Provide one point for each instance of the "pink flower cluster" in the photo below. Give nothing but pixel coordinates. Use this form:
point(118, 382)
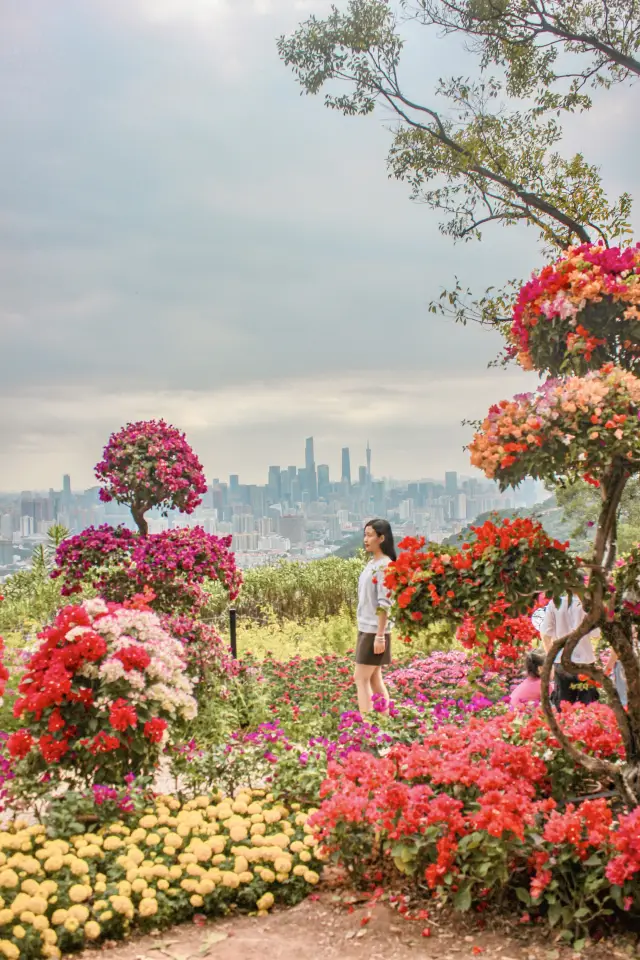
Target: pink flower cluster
point(583, 275)
point(150, 464)
point(120, 564)
point(577, 425)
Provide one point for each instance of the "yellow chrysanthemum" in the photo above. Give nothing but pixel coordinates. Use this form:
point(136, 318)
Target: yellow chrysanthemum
point(71, 924)
point(148, 907)
point(9, 878)
point(19, 932)
point(79, 892)
point(265, 902)
point(9, 950)
point(59, 917)
point(80, 912)
point(92, 930)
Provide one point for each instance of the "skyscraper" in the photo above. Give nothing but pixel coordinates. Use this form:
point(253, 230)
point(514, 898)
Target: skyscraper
point(66, 488)
point(362, 476)
point(311, 480)
point(368, 463)
point(346, 466)
point(451, 483)
point(274, 489)
point(324, 484)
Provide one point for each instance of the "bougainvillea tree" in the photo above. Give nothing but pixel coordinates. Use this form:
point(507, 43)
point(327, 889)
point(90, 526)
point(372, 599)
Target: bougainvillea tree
point(577, 320)
point(150, 464)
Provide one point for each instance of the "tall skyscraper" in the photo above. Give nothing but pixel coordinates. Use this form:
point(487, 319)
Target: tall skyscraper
point(451, 483)
point(362, 476)
point(324, 484)
point(368, 463)
point(273, 486)
point(66, 488)
point(311, 479)
point(346, 466)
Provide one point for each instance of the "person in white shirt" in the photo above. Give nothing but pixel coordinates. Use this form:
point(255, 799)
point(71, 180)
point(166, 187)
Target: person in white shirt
point(373, 649)
point(559, 622)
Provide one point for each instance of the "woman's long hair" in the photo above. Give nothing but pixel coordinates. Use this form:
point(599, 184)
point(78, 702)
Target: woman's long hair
point(383, 529)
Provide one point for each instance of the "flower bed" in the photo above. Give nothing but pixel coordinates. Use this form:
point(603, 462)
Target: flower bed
point(475, 812)
point(201, 857)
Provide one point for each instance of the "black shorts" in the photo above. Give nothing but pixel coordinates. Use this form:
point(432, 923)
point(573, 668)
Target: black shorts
point(365, 654)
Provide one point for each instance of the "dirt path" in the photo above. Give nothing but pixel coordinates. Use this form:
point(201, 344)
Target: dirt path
point(320, 930)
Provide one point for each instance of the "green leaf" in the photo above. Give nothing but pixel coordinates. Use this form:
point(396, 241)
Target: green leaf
point(462, 899)
point(524, 896)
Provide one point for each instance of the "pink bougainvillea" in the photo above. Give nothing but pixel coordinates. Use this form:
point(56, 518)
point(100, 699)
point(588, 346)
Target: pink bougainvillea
point(150, 464)
point(175, 564)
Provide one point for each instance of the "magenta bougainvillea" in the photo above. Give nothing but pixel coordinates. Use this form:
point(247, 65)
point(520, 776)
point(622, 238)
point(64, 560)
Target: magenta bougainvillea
point(174, 564)
point(580, 312)
point(150, 464)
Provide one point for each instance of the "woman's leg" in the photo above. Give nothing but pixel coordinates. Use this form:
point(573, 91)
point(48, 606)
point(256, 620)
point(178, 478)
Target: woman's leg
point(362, 676)
point(378, 686)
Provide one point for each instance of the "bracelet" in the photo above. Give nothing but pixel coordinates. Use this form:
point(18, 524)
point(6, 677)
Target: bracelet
point(380, 636)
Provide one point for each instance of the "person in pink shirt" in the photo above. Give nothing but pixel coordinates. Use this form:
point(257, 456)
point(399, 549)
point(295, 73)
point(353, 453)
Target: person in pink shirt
point(528, 691)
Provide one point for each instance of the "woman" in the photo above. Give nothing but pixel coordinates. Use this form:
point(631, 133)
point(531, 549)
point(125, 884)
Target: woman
point(373, 649)
point(559, 622)
point(528, 691)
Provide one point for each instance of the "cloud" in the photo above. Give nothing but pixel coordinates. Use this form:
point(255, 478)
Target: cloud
point(413, 422)
point(183, 235)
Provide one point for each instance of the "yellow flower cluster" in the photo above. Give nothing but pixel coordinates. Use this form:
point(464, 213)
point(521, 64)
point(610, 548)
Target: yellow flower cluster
point(204, 855)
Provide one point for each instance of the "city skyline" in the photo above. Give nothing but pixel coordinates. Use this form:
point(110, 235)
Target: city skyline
point(348, 455)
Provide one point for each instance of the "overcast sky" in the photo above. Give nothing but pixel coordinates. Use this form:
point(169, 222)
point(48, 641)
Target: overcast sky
point(183, 236)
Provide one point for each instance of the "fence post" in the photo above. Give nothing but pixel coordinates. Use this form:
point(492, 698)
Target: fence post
point(233, 633)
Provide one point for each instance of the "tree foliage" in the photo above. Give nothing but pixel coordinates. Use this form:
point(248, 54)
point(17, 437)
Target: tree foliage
point(553, 50)
point(466, 151)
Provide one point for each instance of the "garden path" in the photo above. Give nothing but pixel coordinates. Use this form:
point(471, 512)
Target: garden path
point(318, 929)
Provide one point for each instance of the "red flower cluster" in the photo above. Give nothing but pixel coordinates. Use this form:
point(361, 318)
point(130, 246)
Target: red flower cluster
point(488, 587)
point(478, 794)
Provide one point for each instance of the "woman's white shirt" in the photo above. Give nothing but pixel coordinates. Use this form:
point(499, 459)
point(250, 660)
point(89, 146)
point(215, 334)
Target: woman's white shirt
point(372, 595)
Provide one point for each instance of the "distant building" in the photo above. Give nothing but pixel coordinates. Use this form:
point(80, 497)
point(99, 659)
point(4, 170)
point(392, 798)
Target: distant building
point(273, 486)
point(324, 484)
point(362, 476)
point(346, 466)
point(451, 483)
point(311, 480)
point(292, 527)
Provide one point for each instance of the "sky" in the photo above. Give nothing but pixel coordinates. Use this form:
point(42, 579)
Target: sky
point(182, 235)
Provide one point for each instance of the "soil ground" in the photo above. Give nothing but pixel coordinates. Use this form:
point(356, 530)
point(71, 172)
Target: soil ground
point(322, 929)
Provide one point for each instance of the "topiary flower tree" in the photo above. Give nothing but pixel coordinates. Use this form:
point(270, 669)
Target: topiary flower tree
point(146, 465)
point(579, 317)
point(150, 464)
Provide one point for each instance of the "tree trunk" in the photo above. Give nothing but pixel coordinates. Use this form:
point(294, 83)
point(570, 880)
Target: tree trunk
point(137, 513)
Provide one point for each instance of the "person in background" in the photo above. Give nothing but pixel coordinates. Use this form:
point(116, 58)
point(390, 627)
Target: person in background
point(614, 667)
point(373, 649)
point(559, 622)
point(528, 691)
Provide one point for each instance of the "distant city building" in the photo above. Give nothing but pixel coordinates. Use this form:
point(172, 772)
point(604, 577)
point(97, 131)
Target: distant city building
point(368, 463)
point(346, 466)
point(451, 483)
point(311, 481)
point(324, 483)
point(292, 527)
point(275, 493)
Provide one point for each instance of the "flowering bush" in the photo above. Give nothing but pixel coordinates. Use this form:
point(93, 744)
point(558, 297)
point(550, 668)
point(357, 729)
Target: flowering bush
point(488, 587)
point(467, 809)
point(204, 652)
point(580, 311)
point(577, 426)
point(100, 693)
point(174, 563)
point(205, 856)
point(150, 464)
